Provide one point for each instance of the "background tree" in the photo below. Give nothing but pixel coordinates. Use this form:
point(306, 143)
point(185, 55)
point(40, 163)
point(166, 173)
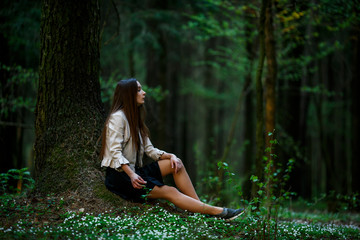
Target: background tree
point(259, 99)
point(270, 82)
point(69, 112)
point(355, 99)
point(200, 51)
point(19, 41)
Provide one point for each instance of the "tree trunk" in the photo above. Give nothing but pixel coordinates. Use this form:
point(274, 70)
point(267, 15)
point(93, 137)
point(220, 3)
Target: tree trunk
point(355, 112)
point(131, 54)
point(10, 148)
point(209, 159)
point(259, 101)
point(69, 112)
point(270, 93)
point(270, 83)
point(156, 75)
point(304, 128)
point(249, 106)
point(292, 109)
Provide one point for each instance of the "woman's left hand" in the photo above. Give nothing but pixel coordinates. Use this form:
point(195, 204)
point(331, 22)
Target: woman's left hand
point(175, 163)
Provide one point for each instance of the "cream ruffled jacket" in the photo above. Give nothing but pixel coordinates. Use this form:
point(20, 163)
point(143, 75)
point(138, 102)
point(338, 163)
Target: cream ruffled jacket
point(119, 147)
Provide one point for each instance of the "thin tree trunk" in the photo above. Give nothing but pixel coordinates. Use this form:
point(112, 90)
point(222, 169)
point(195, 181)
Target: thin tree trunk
point(9, 147)
point(249, 116)
point(326, 141)
point(209, 159)
point(304, 105)
point(270, 92)
point(131, 54)
point(338, 116)
point(270, 83)
point(355, 112)
point(156, 75)
point(259, 101)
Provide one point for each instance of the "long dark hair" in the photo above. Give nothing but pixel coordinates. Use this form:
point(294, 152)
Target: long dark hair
point(125, 100)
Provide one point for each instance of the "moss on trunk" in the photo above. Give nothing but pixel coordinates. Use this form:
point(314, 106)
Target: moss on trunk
point(69, 111)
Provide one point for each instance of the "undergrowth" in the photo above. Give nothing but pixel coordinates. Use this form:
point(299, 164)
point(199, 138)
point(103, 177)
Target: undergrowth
point(152, 221)
point(24, 215)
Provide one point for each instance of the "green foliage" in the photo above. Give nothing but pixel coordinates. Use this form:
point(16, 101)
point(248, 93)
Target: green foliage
point(145, 196)
point(21, 177)
point(157, 93)
point(8, 192)
point(19, 26)
point(320, 90)
point(147, 222)
point(216, 19)
point(207, 93)
point(108, 87)
point(16, 92)
point(154, 222)
point(339, 202)
point(315, 212)
point(349, 202)
point(271, 191)
point(47, 218)
point(211, 25)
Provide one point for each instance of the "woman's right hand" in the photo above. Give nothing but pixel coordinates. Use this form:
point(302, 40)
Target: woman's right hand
point(137, 181)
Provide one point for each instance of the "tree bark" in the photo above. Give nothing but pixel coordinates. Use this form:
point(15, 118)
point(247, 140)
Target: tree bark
point(209, 159)
point(249, 124)
point(69, 112)
point(270, 83)
point(270, 91)
point(259, 101)
point(355, 112)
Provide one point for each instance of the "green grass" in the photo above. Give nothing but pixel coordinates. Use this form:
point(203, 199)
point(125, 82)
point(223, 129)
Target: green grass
point(157, 222)
point(320, 216)
point(147, 222)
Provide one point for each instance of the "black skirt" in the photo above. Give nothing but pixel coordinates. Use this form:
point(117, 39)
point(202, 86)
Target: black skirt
point(120, 183)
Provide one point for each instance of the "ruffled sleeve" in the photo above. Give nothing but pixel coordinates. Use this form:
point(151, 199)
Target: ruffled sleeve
point(151, 151)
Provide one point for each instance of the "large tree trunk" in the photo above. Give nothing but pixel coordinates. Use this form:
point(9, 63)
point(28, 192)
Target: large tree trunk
point(69, 112)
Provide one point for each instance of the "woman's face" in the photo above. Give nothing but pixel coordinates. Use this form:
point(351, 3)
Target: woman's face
point(140, 97)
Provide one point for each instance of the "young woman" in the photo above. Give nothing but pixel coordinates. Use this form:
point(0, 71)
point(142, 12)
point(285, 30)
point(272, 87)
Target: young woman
point(125, 139)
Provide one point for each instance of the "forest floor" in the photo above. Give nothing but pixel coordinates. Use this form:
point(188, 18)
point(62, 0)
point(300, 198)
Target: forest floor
point(67, 216)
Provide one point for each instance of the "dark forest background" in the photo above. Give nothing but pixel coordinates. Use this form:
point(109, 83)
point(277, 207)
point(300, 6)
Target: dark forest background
point(198, 62)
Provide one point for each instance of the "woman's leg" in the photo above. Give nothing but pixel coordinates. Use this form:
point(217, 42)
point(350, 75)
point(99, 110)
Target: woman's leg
point(183, 201)
point(181, 178)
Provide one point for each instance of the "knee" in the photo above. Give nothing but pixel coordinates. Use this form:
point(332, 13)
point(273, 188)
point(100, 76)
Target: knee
point(169, 192)
point(166, 168)
point(181, 170)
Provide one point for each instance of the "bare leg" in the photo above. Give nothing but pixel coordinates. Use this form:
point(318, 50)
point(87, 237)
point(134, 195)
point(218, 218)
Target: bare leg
point(183, 201)
point(181, 178)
